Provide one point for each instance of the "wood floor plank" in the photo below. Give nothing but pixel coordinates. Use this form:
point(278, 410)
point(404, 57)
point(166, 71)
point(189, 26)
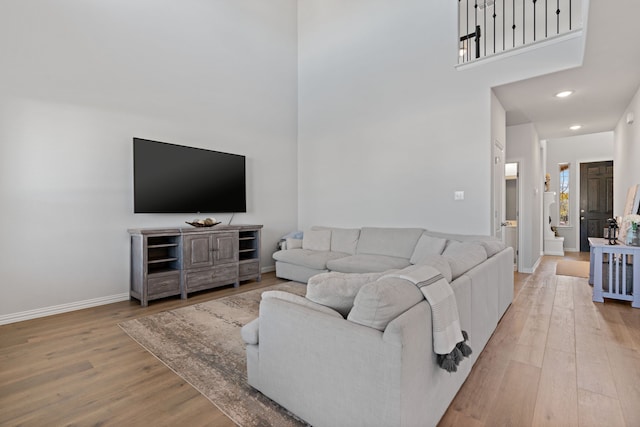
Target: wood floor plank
point(557, 398)
point(515, 402)
point(625, 365)
point(596, 410)
point(562, 330)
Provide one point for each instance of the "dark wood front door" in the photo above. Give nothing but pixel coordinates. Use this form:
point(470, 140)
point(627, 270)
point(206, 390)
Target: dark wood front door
point(596, 200)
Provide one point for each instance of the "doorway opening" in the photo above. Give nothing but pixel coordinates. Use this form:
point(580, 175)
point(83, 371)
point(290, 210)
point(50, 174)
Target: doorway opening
point(512, 203)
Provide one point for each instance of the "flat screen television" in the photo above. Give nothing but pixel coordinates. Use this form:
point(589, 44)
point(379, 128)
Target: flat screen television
point(170, 178)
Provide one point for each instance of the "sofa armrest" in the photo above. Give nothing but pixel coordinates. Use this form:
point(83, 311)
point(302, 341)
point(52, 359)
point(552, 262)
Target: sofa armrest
point(249, 332)
point(427, 389)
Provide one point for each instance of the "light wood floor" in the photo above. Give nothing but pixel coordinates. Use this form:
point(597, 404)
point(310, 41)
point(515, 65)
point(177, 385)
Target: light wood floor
point(555, 359)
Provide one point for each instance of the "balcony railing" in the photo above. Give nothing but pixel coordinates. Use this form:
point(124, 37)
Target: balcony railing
point(488, 27)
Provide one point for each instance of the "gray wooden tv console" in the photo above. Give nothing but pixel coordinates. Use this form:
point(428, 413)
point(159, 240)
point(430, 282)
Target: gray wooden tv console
point(177, 261)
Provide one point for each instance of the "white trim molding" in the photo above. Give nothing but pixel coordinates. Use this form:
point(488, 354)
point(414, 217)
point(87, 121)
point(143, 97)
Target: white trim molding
point(62, 308)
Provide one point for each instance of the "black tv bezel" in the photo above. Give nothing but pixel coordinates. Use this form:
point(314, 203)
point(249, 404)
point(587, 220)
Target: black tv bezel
point(220, 208)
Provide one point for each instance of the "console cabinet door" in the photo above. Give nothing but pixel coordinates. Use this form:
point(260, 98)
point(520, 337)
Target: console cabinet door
point(225, 248)
point(198, 251)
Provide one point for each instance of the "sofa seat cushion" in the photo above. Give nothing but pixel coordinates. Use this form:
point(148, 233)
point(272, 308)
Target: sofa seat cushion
point(463, 256)
point(338, 290)
point(394, 242)
point(308, 258)
point(366, 263)
point(378, 303)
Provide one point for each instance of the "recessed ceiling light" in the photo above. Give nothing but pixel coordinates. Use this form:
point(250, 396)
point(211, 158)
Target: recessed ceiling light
point(564, 93)
point(575, 127)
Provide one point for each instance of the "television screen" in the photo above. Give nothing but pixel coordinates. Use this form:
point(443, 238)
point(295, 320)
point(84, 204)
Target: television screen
point(169, 178)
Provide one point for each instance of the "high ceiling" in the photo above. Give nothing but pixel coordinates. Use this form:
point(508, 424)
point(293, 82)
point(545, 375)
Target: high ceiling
point(603, 86)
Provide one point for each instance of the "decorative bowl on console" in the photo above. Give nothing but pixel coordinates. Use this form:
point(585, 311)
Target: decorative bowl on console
point(208, 222)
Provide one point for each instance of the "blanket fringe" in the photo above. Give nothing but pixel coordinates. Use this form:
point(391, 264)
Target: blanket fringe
point(446, 362)
point(463, 346)
point(449, 362)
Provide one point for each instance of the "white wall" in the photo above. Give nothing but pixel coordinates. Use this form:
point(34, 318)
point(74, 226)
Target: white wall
point(389, 129)
point(79, 79)
point(523, 146)
point(626, 155)
point(574, 150)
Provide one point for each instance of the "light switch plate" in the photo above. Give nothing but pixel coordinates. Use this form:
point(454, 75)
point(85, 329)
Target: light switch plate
point(458, 195)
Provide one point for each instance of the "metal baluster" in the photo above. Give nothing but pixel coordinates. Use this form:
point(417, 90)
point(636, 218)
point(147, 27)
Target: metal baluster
point(558, 17)
point(534, 20)
point(570, 14)
point(545, 18)
point(513, 20)
point(484, 15)
point(503, 26)
point(523, 26)
point(494, 27)
point(475, 7)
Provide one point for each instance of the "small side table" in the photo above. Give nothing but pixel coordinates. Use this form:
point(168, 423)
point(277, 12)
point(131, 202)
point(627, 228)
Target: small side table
point(619, 268)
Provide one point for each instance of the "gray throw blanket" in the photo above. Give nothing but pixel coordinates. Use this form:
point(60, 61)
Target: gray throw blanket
point(449, 340)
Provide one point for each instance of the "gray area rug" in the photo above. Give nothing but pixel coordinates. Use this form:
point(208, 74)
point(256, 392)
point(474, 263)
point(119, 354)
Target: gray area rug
point(202, 344)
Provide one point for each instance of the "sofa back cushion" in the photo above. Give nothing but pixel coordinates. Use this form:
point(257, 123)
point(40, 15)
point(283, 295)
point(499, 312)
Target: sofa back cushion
point(394, 242)
point(463, 256)
point(317, 240)
point(378, 303)
point(427, 246)
point(343, 240)
point(366, 263)
point(491, 244)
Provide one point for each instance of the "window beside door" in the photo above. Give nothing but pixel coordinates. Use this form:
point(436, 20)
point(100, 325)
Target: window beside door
point(563, 197)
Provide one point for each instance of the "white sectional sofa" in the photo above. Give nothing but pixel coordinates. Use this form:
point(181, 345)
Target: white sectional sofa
point(358, 349)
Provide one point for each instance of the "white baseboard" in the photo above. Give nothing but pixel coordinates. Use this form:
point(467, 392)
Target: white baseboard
point(78, 305)
point(62, 308)
point(532, 269)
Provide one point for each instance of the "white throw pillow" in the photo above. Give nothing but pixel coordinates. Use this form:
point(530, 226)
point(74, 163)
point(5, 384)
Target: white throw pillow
point(294, 243)
point(317, 240)
point(427, 245)
point(338, 290)
point(378, 303)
